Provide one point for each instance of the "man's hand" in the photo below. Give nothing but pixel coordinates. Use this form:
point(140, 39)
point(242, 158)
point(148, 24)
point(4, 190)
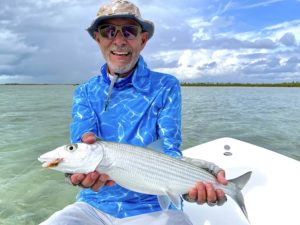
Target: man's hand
point(94, 179)
point(206, 193)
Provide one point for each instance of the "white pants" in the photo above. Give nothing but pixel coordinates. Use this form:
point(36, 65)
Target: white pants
point(81, 213)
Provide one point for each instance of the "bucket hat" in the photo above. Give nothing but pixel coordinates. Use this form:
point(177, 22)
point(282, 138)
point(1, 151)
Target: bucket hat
point(121, 9)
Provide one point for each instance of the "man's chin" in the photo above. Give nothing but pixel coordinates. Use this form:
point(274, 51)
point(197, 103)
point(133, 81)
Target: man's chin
point(121, 69)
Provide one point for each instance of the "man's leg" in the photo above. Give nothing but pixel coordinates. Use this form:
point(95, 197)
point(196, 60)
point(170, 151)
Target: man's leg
point(170, 217)
point(79, 213)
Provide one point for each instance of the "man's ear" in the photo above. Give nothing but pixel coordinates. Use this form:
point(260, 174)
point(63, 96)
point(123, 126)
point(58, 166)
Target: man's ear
point(144, 38)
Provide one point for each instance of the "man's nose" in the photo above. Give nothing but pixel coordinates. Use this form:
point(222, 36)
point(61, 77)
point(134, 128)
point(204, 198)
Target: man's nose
point(119, 38)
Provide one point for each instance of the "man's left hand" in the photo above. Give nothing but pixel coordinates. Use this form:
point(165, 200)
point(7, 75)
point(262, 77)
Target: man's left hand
point(206, 193)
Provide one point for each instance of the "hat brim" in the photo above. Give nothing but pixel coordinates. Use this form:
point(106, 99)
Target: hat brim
point(147, 26)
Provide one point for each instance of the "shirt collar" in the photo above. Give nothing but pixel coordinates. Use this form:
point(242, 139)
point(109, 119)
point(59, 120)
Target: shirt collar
point(139, 78)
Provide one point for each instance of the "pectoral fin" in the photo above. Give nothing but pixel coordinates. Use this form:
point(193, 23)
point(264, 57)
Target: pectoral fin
point(175, 199)
point(164, 202)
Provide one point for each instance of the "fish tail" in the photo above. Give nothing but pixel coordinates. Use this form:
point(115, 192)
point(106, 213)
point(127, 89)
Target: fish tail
point(240, 182)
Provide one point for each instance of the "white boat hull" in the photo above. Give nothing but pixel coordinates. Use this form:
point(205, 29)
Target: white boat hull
point(271, 195)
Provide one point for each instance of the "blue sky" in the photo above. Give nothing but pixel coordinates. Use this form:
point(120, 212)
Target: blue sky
point(196, 40)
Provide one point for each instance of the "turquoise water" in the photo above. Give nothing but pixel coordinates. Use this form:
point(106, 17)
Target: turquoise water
point(267, 117)
point(35, 119)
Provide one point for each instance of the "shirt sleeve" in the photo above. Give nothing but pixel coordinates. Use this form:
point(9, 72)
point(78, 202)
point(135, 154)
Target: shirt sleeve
point(84, 118)
point(169, 120)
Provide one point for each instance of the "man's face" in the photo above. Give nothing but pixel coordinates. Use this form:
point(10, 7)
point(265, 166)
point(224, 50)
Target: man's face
point(120, 53)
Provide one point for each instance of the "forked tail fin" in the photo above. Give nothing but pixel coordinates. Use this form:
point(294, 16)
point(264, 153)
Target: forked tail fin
point(240, 182)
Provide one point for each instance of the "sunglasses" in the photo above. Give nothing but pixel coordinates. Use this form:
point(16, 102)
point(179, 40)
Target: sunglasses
point(110, 31)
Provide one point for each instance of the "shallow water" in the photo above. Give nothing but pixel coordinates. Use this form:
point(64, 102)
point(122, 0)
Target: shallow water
point(267, 117)
point(35, 119)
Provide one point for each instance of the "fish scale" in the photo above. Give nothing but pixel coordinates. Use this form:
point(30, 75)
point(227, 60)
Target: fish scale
point(141, 170)
point(155, 168)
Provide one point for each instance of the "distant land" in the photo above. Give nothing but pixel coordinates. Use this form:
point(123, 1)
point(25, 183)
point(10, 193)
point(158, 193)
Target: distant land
point(185, 84)
point(290, 84)
point(36, 84)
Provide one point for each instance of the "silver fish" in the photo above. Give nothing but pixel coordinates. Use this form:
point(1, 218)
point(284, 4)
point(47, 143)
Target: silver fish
point(141, 170)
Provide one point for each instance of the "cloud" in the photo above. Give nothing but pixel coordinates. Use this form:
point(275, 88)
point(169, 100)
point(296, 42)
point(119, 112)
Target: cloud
point(16, 79)
point(288, 39)
point(13, 50)
point(279, 30)
point(14, 43)
point(238, 5)
point(234, 60)
point(224, 42)
point(45, 41)
point(222, 54)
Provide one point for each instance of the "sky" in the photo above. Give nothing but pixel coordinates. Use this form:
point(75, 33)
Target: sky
point(244, 41)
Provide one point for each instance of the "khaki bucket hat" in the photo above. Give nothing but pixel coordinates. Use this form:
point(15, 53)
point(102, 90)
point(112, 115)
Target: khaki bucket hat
point(121, 9)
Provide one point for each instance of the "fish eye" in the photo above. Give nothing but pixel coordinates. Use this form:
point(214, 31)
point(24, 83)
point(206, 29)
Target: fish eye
point(71, 147)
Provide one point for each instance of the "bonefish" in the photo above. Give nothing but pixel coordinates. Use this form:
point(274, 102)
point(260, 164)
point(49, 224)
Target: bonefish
point(141, 170)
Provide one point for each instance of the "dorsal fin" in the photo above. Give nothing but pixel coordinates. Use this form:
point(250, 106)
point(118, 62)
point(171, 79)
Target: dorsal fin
point(208, 166)
point(195, 162)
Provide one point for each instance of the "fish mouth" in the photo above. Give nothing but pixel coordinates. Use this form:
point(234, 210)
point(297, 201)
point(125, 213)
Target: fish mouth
point(52, 163)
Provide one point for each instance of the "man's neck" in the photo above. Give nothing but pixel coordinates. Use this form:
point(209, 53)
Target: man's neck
point(121, 75)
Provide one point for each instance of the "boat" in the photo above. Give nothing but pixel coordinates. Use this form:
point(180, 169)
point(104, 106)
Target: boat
point(272, 195)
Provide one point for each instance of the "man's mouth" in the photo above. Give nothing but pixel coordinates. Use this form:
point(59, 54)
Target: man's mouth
point(120, 53)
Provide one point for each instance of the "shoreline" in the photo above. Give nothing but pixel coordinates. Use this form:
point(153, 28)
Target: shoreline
point(291, 84)
point(288, 84)
point(19, 84)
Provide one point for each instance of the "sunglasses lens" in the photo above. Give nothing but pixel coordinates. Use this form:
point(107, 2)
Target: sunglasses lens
point(107, 31)
point(110, 31)
point(130, 32)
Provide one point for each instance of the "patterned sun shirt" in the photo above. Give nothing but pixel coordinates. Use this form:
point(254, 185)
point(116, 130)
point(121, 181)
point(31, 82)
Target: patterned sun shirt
point(143, 107)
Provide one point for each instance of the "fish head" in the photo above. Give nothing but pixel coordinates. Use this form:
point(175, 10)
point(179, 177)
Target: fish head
point(73, 158)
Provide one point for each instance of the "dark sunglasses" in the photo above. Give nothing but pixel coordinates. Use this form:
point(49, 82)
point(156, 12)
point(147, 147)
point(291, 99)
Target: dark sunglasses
point(110, 31)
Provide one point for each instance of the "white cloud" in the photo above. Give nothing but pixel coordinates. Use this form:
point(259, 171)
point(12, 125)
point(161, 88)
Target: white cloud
point(288, 39)
point(194, 40)
point(261, 4)
point(267, 52)
point(237, 5)
point(13, 50)
point(251, 54)
point(11, 42)
point(277, 31)
point(193, 64)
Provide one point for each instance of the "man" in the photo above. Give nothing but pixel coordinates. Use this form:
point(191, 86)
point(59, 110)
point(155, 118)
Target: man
point(131, 104)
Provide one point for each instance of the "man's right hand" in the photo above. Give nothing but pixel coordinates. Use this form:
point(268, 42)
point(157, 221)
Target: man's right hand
point(93, 180)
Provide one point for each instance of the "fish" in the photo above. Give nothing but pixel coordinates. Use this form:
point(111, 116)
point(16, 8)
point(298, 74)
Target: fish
point(141, 169)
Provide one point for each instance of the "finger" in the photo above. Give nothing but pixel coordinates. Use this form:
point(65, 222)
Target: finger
point(221, 197)
point(89, 180)
point(110, 183)
point(77, 178)
point(221, 177)
point(201, 193)
point(102, 179)
point(191, 196)
point(211, 193)
point(89, 138)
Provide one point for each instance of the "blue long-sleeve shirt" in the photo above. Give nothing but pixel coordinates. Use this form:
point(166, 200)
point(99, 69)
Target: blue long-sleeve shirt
point(143, 107)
